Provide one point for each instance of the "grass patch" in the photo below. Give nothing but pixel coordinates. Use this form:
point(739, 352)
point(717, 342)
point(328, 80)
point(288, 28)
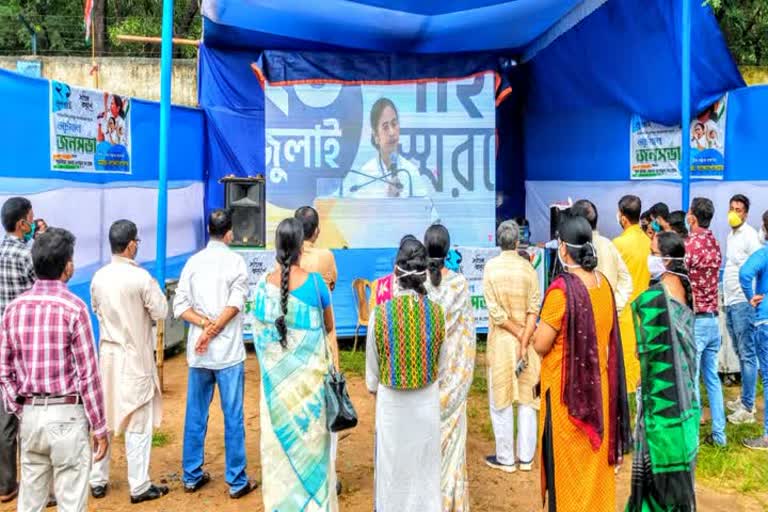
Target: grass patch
point(160, 439)
point(352, 363)
point(734, 466)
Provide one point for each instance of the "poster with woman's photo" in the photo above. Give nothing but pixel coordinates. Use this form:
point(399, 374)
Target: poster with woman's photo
point(381, 160)
point(655, 149)
point(90, 130)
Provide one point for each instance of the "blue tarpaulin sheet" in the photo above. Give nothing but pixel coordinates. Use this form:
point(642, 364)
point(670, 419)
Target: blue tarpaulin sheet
point(583, 68)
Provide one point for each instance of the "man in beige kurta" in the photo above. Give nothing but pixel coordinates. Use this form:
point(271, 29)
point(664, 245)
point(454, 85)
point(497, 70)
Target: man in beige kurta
point(126, 300)
point(513, 298)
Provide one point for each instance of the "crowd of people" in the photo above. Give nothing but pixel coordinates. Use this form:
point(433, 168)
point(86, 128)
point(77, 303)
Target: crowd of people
point(634, 316)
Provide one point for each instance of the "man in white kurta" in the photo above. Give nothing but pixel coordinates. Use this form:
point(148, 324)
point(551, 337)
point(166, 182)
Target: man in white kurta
point(126, 300)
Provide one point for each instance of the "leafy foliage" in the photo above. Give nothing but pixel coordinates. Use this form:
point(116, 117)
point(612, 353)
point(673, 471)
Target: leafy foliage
point(60, 30)
point(745, 26)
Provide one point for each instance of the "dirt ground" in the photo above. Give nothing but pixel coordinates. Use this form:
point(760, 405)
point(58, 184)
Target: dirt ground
point(489, 490)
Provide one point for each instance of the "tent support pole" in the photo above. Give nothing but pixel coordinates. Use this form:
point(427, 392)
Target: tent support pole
point(166, 57)
point(685, 128)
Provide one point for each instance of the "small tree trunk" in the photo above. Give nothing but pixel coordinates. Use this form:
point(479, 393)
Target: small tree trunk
point(99, 27)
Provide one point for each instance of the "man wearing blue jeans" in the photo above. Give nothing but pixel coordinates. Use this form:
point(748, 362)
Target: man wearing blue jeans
point(210, 296)
point(743, 242)
point(754, 283)
point(703, 259)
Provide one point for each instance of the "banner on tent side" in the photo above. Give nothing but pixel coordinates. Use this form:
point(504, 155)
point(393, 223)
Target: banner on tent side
point(382, 160)
point(89, 131)
point(655, 149)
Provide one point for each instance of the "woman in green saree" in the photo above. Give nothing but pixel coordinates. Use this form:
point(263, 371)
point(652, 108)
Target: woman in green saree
point(667, 430)
point(293, 314)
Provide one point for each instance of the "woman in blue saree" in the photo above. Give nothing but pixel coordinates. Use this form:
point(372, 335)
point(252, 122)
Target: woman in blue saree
point(292, 317)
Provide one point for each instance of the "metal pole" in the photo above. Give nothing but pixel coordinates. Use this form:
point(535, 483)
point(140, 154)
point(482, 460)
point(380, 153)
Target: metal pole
point(685, 164)
point(32, 34)
point(166, 56)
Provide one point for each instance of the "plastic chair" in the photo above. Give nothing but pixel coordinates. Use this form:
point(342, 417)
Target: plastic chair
point(362, 289)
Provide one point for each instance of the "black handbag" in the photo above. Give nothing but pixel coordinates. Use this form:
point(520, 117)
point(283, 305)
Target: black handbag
point(339, 412)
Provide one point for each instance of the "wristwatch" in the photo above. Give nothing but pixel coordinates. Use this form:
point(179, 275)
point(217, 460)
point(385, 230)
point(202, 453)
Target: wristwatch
point(203, 322)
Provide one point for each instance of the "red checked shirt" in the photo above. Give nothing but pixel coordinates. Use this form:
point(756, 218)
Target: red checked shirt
point(46, 347)
point(703, 259)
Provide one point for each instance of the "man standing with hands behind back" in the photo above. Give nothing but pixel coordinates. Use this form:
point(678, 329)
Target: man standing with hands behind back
point(210, 296)
point(753, 278)
point(126, 299)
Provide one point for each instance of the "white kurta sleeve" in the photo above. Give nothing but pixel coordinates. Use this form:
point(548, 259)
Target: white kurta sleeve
point(371, 358)
point(624, 286)
point(154, 299)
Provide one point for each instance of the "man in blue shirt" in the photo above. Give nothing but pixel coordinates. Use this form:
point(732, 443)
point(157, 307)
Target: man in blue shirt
point(753, 278)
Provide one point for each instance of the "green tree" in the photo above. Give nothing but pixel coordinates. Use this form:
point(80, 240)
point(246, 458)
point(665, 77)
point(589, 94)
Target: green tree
point(60, 30)
point(745, 26)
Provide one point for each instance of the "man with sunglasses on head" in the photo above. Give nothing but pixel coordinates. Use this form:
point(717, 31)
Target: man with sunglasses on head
point(126, 300)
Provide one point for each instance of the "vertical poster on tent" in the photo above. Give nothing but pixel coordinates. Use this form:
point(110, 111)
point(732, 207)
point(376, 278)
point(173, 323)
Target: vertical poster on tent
point(381, 160)
point(655, 149)
point(90, 130)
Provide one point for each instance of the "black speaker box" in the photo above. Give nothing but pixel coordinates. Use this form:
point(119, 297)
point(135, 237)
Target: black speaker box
point(246, 199)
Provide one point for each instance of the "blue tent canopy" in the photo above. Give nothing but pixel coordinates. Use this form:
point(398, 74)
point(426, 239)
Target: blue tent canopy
point(398, 26)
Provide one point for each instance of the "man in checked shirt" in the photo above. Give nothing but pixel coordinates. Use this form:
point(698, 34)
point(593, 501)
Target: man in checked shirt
point(17, 275)
point(49, 376)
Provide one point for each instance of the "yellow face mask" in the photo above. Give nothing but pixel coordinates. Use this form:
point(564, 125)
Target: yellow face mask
point(734, 220)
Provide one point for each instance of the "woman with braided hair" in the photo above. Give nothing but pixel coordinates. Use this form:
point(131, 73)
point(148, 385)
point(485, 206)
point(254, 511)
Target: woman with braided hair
point(456, 369)
point(405, 336)
point(293, 316)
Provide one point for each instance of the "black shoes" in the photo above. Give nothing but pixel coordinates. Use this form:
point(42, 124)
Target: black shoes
point(204, 480)
point(154, 492)
point(249, 487)
point(99, 491)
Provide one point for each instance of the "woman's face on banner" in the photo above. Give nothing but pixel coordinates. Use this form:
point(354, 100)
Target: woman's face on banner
point(113, 108)
point(388, 131)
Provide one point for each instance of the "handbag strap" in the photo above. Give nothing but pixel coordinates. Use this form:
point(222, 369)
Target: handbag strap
point(324, 333)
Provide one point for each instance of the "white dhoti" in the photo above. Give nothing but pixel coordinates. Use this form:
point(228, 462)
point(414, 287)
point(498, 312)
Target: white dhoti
point(503, 422)
point(407, 465)
point(138, 446)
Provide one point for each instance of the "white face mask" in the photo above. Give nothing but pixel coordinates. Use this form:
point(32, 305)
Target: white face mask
point(618, 219)
point(565, 265)
point(656, 265)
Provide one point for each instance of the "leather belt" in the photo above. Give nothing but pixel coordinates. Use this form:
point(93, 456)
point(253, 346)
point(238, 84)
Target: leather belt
point(50, 400)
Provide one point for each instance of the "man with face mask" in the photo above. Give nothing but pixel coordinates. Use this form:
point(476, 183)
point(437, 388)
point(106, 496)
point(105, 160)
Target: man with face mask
point(634, 247)
point(126, 299)
point(17, 275)
point(703, 259)
point(49, 376)
point(743, 241)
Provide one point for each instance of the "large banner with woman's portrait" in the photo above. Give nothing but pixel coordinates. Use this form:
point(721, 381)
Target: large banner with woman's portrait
point(382, 160)
point(90, 130)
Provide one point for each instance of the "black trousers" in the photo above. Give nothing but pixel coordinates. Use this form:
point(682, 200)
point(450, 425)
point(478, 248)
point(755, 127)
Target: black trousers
point(9, 428)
